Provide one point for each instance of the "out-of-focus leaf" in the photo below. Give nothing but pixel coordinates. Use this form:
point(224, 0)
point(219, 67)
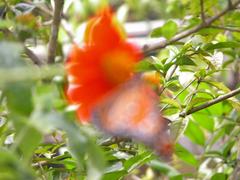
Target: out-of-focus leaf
point(12, 168)
point(10, 54)
point(23, 8)
point(218, 85)
point(220, 45)
point(177, 128)
point(114, 175)
point(204, 119)
point(167, 66)
point(96, 164)
point(229, 127)
point(171, 102)
point(137, 160)
point(216, 136)
point(219, 176)
point(185, 155)
point(209, 32)
point(235, 103)
point(216, 109)
point(19, 98)
point(168, 30)
point(178, 177)
point(198, 100)
point(195, 133)
point(129, 165)
point(29, 73)
point(227, 148)
point(144, 66)
point(164, 168)
point(28, 139)
point(5, 23)
point(184, 60)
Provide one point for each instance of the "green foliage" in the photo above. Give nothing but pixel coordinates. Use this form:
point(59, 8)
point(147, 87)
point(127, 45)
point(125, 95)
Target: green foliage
point(40, 137)
point(168, 30)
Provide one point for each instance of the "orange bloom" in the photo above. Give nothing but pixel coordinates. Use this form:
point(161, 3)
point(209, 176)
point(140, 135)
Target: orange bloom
point(105, 61)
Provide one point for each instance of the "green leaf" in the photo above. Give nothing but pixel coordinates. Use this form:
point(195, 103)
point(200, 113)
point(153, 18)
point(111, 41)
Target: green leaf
point(198, 100)
point(216, 109)
point(177, 128)
point(234, 103)
point(178, 177)
point(28, 139)
point(219, 176)
point(12, 168)
point(227, 148)
point(143, 66)
point(218, 85)
point(168, 30)
point(19, 98)
point(81, 144)
point(185, 155)
point(10, 54)
point(116, 175)
point(185, 60)
point(6, 23)
point(172, 102)
point(220, 45)
point(129, 165)
point(217, 135)
point(195, 133)
point(205, 120)
point(164, 168)
point(137, 160)
point(78, 145)
point(96, 163)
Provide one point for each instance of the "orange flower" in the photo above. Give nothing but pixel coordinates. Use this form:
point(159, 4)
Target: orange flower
point(105, 61)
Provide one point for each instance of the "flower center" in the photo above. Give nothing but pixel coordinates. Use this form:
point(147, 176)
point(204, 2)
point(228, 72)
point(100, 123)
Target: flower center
point(118, 67)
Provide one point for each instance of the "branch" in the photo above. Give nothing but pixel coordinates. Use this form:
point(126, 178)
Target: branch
point(202, 11)
point(54, 30)
point(179, 93)
point(230, 3)
point(208, 22)
point(226, 28)
point(210, 103)
point(27, 51)
point(33, 56)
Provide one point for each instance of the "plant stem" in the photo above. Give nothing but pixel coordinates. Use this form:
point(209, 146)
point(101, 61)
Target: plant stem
point(202, 11)
point(208, 22)
point(54, 30)
point(210, 103)
point(179, 93)
point(226, 28)
point(33, 56)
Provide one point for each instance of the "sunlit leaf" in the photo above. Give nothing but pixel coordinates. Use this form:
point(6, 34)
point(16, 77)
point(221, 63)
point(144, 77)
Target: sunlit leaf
point(195, 133)
point(168, 30)
point(222, 45)
point(185, 155)
point(219, 176)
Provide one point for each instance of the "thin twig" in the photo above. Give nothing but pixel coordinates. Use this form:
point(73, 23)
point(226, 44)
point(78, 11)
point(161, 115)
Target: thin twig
point(230, 4)
point(194, 93)
point(210, 103)
point(63, 23)
point(226, 28)
point(68, 31)
point(208, 22)
point(54, 30)
point(178, 94)
point(202, 11)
